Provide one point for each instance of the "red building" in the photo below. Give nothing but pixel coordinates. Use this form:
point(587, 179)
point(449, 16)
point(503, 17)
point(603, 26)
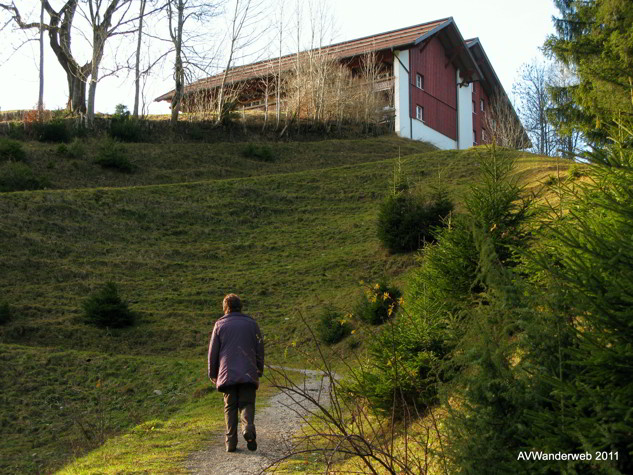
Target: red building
point(440, 85)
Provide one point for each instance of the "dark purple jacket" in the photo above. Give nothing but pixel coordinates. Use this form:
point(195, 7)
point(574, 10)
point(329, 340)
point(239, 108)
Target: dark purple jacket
point(236, 351)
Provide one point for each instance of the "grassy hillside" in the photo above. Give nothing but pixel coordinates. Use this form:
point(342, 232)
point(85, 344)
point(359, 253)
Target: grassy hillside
point(190, 162)
point(194, 223)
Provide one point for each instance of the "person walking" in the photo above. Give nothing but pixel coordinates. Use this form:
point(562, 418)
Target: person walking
point(236, 362)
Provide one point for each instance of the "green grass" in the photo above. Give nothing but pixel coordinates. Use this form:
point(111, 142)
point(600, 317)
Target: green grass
point(191, 162)
point(195, 222)
point(60, 403)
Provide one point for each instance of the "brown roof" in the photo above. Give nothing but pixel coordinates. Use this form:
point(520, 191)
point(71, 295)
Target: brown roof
point(390, 39)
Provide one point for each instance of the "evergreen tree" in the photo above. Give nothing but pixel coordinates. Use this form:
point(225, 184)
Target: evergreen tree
point(594, 38)
point(590, 263)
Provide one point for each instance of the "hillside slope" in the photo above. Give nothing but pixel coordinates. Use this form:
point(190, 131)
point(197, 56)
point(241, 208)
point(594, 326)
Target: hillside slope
point(291, 239)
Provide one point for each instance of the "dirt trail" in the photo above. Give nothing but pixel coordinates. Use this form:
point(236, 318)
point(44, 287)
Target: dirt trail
point(275, 423)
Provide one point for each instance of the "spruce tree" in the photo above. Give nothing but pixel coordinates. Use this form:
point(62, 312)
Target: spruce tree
point(595, 39)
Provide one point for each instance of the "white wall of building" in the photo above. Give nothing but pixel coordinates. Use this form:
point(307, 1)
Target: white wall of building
point(423, 132)
point(401, 93)
point(464, 115)
point(416, 129)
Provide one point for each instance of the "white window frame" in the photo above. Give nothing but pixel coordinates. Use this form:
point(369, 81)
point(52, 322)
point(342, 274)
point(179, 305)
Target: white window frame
point(419, 113)
point(419, 81)
point(474, 137)
point(481, 104)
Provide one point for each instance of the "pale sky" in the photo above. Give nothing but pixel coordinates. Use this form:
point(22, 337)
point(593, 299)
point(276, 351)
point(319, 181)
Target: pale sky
point(511, 32)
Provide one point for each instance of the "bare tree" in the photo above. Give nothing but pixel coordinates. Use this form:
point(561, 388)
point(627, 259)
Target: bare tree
point(188, 22)
point(104, 18)
point(244, 31)
point(280, 27)
point(338, 423)
point(60, 29)
point(40, 98)
point(502, 123)
point(570, 139)
point(104, 25)
point(137, 66)
point(533, 101)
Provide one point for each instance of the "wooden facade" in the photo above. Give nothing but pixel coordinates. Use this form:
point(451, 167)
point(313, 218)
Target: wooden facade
point(429, 95)
point(481, 102)
point(438, 91)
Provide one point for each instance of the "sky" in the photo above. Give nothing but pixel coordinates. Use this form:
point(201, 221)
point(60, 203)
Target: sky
point(511, 32)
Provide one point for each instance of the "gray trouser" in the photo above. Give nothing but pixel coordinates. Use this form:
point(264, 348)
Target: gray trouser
point(239, 397)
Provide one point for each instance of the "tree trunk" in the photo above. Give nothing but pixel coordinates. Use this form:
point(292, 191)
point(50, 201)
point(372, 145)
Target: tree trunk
point(179, 71)
point(76, 94)
point(179, 77)
point(40, 99)
point(137, 75)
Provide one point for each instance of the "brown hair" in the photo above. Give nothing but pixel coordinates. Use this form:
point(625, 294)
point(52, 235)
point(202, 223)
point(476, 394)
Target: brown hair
point(231, 303)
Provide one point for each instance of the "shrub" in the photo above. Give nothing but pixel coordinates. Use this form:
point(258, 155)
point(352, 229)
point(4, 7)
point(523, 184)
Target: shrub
point(574, 172)
point(404, 360)
point(16, 176)
point(121, 112)
point(114, 156)
point(123, 128)
point(53, 131)
point(5, 313)
point(405, 221)
point(262, 153)
point(16, 131)
point(11, 150)
point(332, 326)
point(105, 308)
point(62, 149)
point(126, 130)
point(76, 149)
point(378, 303)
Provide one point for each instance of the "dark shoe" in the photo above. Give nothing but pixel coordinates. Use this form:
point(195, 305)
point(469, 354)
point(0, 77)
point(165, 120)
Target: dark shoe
point(230, 449)
point(251, 444)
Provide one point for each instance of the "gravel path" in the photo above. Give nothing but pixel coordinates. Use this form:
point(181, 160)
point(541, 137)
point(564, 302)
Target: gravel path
point(275, 423)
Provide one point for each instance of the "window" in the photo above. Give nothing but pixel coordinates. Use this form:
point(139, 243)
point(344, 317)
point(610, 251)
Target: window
point(474, 137)
point(419, 81)
point(473, 87)
point(419, 113)
point(483, 135)
point(481, 104)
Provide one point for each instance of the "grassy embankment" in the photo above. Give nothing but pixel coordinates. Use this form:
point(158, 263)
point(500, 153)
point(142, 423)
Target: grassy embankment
point(193, 223)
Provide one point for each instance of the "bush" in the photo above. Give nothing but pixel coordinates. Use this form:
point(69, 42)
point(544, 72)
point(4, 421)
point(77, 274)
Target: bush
point(404, 361)
point(262, 153)
point(332, 326)
point(16, 176)
point(5, 313)
point(62, 149)
point(77, 149)
point(378, 304)
point(122, 128)
point(11, 150)
point(121, 112)
point(126, 130)
point(114, 156)
point(105, 308)
point(16, 131)
point(405, 221)
point(53, 131)
point(574, 172)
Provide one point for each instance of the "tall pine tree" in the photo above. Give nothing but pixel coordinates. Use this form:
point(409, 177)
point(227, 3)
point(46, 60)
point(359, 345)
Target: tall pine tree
point(594, 38)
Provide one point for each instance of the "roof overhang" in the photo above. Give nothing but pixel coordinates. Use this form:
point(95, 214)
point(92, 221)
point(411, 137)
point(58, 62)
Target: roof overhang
point(446, 30)
point(457, 50)
point(491, 83)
